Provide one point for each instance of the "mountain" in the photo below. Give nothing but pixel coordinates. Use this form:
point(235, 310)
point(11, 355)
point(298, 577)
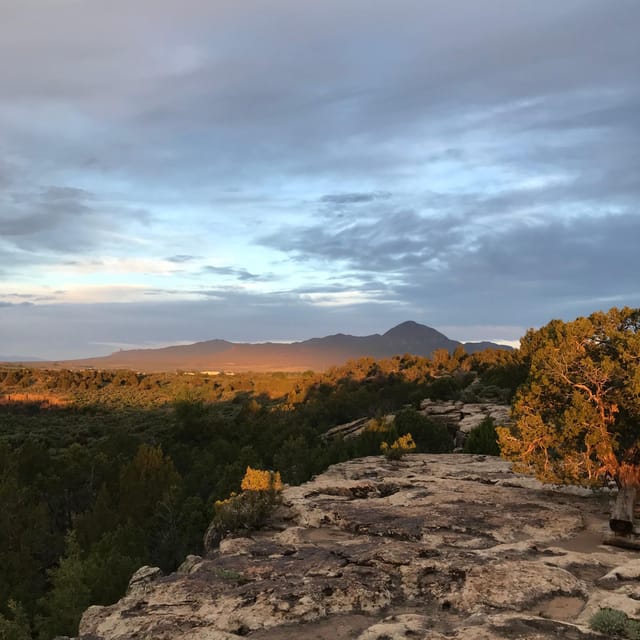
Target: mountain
point(19, 359)
point(316, 354)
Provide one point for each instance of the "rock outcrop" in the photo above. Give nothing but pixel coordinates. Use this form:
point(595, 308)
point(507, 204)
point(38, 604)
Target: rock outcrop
point(355, 427)
point(428, 547)
point(459, 417)
point(464, 417)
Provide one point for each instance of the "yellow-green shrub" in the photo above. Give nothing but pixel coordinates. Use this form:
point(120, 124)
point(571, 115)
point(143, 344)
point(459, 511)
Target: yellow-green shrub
point(404, 444)
point(251, 508)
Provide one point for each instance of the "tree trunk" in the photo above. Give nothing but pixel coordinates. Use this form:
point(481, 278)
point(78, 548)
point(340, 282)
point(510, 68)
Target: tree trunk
point(621, 521)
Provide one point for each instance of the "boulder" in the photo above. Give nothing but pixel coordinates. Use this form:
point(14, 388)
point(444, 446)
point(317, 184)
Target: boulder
point(142, 578)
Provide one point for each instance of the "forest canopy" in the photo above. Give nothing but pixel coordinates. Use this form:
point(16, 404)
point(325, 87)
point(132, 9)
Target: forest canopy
point(102, 471)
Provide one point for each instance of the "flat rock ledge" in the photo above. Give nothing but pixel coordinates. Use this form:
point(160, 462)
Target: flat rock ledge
point(428, 547)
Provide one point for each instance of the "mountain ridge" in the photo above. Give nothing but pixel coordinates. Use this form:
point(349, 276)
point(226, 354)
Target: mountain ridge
point(315, 353)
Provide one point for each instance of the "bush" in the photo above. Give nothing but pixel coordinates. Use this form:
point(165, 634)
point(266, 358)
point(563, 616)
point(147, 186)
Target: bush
point(429, 436)
point(250, 509)
point(402, 445)
point(445, 388)
point(615, 623)
point(258, 480)
point(633, 629)
point(483, 439)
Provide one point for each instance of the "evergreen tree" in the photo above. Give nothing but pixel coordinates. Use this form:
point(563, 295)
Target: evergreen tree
point(578, 413)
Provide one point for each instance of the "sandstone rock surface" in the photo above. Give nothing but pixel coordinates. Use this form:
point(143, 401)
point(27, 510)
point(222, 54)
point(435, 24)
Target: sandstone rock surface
point(460, 417)
point(428, 547)
point(464, 417)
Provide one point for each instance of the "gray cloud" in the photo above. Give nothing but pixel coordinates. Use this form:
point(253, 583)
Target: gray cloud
point(234, 85)
point(60, 219)
point(523, 270)
point(353, 198)
point(181, 258)
point(458, 160)
point(240, 274)
point(25, 303)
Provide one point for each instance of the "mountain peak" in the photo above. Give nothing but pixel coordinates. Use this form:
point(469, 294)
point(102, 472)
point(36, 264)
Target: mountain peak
point(411, 330)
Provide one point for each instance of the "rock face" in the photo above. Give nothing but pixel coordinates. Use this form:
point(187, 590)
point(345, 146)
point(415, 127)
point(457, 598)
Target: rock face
point(460, 417)
point(465, 417)
point(428, 547)
point(355, 427)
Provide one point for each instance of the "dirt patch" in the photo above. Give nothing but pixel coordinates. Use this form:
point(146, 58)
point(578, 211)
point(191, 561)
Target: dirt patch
point(564, 608)
point(589, 539)
point(325, 535)
point(584, 542)
point(344, 627)
point(534, 629)
point(588, 573)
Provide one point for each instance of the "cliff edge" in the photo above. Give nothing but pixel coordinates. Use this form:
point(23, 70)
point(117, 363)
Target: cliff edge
point(428, 547)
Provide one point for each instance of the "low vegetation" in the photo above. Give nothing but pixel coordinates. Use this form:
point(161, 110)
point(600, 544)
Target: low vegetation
point(615, 624)
point(249, 510)
point(396, 450)
point(483, 439)
point(102, 472)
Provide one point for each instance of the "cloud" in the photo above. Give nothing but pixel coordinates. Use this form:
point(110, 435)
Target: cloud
point(181, 258)
point(352, 198)
point(222, 78)
point(458, 163)
point(520, 270)
point(26, 303)
point(238, 273)
point(62, 220)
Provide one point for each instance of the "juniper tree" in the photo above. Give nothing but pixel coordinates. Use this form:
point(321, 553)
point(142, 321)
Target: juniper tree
point(577, 416)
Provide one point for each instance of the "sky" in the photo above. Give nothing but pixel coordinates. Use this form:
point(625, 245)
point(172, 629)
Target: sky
point(174, 171)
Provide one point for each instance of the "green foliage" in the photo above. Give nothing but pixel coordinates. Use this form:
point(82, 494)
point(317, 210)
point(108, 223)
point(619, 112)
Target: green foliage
point(26, 542)
point(615, 623)
point(429, 436)
point(483, 439)
point(444, 388)
point(15, 626)
point(70, 593)
point(632, 629)
point(242, 513)
point(500, 372)
point(230, 575)
point(294, 458)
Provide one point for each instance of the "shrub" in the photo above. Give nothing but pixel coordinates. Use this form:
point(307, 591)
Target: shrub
point(483, 439)
point(615, 623)
point(250, 509)
point(429, 436)
point(632, 629)
point(444, 388)
point(402, 445)
point(258, 480)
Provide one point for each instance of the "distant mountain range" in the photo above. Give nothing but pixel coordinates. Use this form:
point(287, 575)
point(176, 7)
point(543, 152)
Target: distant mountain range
point(316, 354)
